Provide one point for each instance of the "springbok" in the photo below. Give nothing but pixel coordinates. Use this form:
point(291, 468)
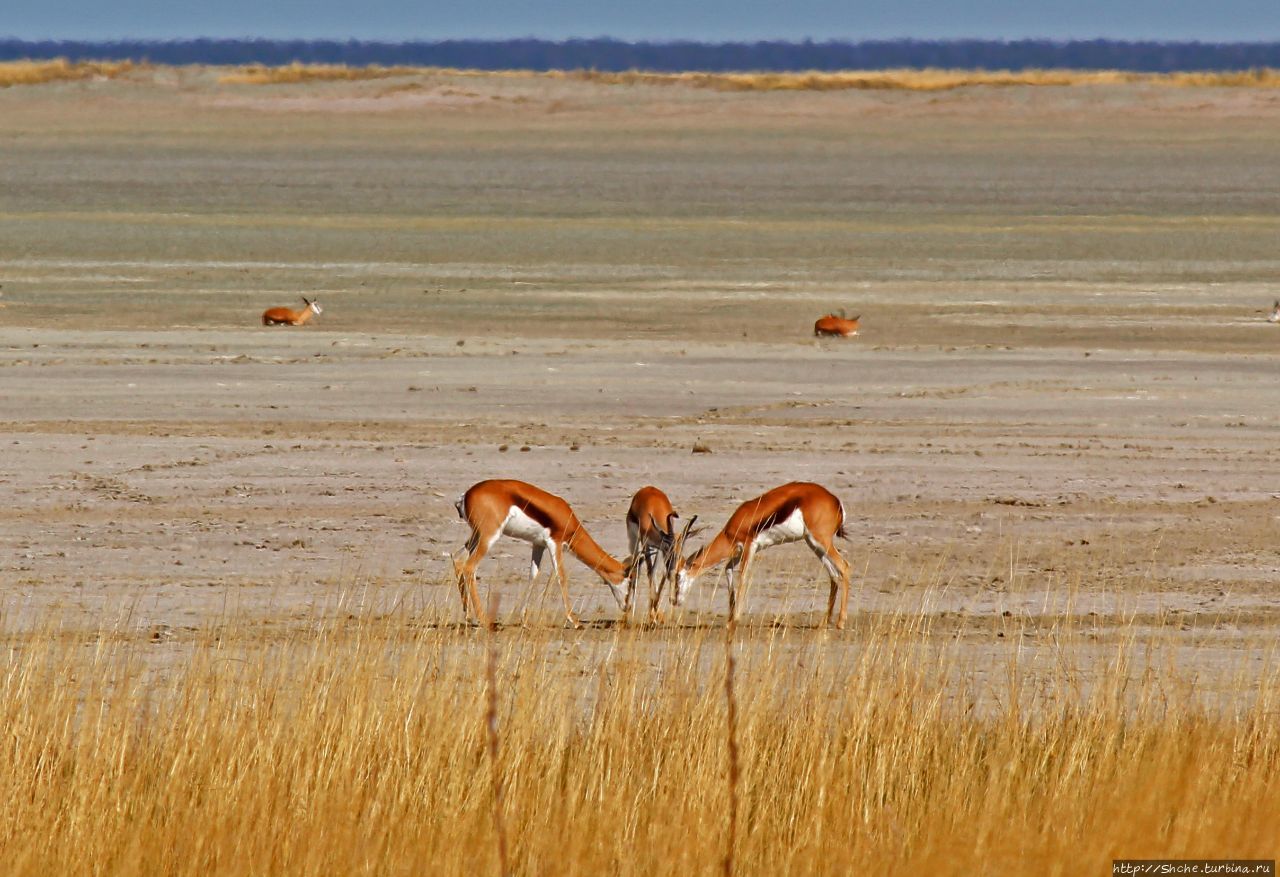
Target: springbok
point(651, 533)
point(514, 508)
point(789, 513)
point(288, 316)
point(836, 327)
point(1275, 312)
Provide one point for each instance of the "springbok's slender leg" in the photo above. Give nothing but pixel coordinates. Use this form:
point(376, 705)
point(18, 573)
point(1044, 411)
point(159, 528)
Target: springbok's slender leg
point(843, 566)
point(837, 570)
point(650, 561)
point(557, 562)
point(655, 595)
point(458, 565)
point(633, 574)
point(466, 571)
point(535, 563)
point(535, 566)
point(735, 572)
point(744, 570)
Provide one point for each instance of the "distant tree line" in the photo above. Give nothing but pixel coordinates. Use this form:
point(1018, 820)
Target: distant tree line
point(616, 55)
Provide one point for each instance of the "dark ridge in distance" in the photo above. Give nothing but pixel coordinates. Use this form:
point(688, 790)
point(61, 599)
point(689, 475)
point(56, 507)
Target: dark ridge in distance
point(607, 54)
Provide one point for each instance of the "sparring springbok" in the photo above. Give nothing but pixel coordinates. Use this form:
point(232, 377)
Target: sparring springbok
point(1275, 313)
point(651, 533)
point(836, 327)
point(288, 316)
point(520, 510)
point(795, 511)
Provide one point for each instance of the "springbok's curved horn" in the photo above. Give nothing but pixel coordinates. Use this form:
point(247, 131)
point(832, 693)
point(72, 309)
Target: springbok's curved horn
point(689, 531)
point(666, 534)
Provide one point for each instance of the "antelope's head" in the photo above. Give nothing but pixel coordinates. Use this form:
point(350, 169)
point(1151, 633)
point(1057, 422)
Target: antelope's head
point(313, 305)
point(685, 578)
point(682, 564)
point(675, 550)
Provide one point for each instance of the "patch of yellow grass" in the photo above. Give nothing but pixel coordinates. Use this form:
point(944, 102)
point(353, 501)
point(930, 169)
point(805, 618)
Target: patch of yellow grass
point(61, 70)
point(929, 79)
point(360, 748)
point(1262, 77)
point(293, 74)
point(296, 73)
point(925, 80)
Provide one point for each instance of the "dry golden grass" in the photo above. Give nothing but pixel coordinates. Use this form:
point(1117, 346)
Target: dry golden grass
point(900, 80)
point(61, 70)
point(293, 74)
point(1263, 77)
point(925, 80)
point(930, 79)
point(360, 747)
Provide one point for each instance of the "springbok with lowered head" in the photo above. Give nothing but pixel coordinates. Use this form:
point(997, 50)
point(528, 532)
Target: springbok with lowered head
point(789, 513)
point(290, 317)
point(651, 534)
point(517, 509)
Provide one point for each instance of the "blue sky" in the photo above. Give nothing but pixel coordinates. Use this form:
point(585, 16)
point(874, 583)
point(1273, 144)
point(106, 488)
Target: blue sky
point(1223, 20)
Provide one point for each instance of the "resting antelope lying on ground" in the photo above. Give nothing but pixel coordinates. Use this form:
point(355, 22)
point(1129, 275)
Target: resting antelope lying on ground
point(522, 511)
point(651, 533)
point(795, 511)
point(288, 316)
point(836, 327)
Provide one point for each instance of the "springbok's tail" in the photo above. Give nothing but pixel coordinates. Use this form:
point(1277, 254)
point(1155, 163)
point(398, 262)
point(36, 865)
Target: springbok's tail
point(840, 531)
point(460, 506)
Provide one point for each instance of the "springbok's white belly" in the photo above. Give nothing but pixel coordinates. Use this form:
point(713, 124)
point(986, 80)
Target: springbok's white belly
point(518, 525)
point(789, 530)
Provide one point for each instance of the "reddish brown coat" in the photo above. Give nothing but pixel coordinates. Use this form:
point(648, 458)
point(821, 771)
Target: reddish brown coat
point(837, 327)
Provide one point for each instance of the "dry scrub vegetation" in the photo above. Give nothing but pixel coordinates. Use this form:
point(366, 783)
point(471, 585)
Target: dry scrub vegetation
point(296, 73)
point(900, 80)
point(293, 74)
point(359, 747)
point(37, 72)
point(62, 70)
point(932, 79)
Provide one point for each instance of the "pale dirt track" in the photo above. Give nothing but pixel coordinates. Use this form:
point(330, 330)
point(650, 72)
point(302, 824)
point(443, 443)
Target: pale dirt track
point(1065, 400)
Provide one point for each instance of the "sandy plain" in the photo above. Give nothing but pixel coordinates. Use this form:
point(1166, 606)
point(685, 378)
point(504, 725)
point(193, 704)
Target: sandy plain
point(1064, 405)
